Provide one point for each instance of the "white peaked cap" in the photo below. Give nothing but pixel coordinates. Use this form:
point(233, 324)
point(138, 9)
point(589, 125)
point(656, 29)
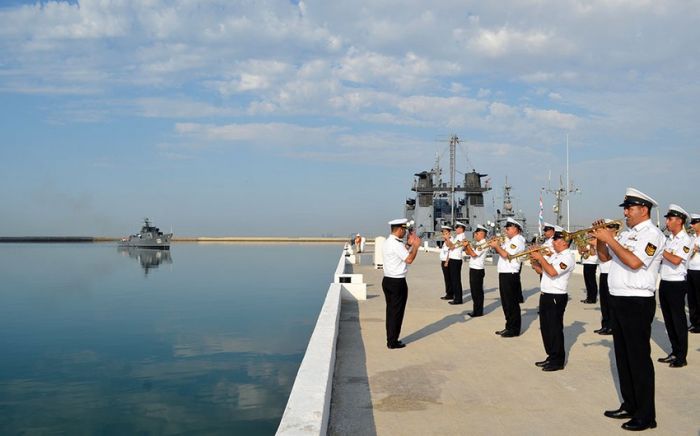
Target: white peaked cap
point(635, 197)
point(512, 221)
point(459, 224)
point(480, 227)
point(398, 222)
point(676, 210)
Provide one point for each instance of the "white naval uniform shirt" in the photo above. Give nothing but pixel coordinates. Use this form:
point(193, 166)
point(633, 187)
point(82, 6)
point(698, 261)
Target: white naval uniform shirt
point(478, 261)
point(591, 260)
point(681, 246)
point(395, 254)
point(563, 264)
point(444, 252)
point(694, 261)
point(646, 241)
point(512, 246)
point(456, 253)
point(605, 267)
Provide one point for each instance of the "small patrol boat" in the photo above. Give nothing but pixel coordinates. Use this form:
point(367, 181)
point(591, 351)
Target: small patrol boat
point(149, 237)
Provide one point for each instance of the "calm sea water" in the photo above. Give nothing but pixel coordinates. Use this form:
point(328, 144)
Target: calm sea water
point(206, 339)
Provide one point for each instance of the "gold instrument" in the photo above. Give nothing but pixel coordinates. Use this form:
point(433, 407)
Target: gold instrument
point(484, 243)
point(580, 237)
point(545, 251)
point(691, 231)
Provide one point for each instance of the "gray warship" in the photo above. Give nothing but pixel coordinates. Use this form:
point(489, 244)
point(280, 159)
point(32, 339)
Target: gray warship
point(149, 237)
point(438, 203)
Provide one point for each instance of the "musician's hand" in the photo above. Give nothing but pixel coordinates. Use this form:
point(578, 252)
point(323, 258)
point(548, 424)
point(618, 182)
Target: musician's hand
point(494, 243)
point(536, 256)
point(604, 234)
point(413, 239)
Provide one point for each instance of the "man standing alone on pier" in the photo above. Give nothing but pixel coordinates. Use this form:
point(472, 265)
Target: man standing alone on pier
point(396, 260)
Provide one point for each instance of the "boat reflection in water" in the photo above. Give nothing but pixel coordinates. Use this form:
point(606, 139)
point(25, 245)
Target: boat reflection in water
point(149, 258)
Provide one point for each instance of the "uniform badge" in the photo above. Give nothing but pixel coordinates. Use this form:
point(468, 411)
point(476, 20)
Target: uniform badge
point(650, 249)
point(686, 250)
point(513, 246)
point(562, 265)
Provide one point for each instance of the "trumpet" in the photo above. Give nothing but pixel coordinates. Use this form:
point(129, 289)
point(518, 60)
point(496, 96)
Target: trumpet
point(484, 243)
point(545, 251)
point(579, 237)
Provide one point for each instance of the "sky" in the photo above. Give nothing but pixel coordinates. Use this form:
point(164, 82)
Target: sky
point(310, 118)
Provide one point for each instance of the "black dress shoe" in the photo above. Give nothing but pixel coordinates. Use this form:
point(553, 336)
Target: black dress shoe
point(668, 359)
point(445, 297)
point(599, 330)
point(542, 363)
point(618, 414)
point(454, 302)
point(500, 332)
point(475, 315)
point(552, 367)
point(635, 424)
point(587, 301)
point(606, 332)
point(694, 329)
point(509, 334)
point(678, 363)
point(394, 345)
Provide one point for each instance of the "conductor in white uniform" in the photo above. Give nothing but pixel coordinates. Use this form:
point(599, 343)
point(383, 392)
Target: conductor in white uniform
point(396, 260)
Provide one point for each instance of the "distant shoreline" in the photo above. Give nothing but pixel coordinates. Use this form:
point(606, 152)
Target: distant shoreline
point(206, 239)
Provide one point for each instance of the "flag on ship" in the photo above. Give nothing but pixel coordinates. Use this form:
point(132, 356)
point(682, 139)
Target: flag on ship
point(540, 220)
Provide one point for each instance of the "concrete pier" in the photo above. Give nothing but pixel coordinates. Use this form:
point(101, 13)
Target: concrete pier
point(457, 377)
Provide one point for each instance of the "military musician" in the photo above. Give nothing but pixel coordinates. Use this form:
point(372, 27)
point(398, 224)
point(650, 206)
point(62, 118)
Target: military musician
point(477, 255)
point(636, 255)
point(509, 285)
point(694, 276)
point(444, 261)
point(672, 288)
point(555, 269)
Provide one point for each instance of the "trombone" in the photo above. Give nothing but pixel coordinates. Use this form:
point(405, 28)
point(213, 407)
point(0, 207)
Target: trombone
point(545, 251)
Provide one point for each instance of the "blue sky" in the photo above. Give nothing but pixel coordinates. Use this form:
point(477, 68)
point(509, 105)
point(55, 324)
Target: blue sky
point(311, 117)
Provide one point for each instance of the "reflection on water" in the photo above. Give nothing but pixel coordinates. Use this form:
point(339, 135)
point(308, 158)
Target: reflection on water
point(149, 258)
point(212, 347)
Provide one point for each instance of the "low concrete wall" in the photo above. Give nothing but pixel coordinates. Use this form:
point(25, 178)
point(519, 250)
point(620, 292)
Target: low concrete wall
point(308, 407)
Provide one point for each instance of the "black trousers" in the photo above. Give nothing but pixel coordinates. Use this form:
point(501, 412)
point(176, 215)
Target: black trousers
point(694, 296)
point(672, 301)
point(631, 323)
point(511, 294)
point(396, 295)
point(552, 308)
point(446, 277)
point(476, 287)
point(589, 279)
point(604, 301)
point(455, 266)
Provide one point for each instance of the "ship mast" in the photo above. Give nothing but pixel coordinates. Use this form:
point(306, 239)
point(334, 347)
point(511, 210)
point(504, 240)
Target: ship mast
point(454, 140)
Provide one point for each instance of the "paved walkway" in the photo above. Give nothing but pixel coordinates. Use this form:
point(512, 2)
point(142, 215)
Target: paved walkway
point(456, 377)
